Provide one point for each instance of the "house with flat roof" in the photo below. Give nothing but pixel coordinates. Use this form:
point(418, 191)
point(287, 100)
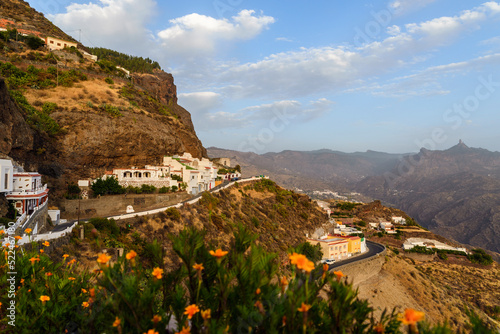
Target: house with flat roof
point(28, 193)
point(332, 247)
point(58, 44)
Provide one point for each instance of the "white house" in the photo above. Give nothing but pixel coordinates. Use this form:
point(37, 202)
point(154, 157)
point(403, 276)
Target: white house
point(58, 44)
point(158, 176)
point(387, 227)
point(6, 174)
point(198, 174)
point(398, 220)
point(28, 192)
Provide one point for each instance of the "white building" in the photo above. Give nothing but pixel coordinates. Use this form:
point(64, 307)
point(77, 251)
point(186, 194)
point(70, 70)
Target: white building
point(398, 220)
point(429, 243)
point(28, 192)
point(387, 227)
point(198, 174)
point(158, 176)
point(6, 174)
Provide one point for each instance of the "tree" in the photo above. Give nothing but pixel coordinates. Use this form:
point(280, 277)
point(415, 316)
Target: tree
point(108, 186)
point(237, 168)
point(34, 42)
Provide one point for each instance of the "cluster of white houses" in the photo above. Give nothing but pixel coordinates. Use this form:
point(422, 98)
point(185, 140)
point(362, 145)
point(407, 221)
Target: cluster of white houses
point(24, 189)
point(198, 175)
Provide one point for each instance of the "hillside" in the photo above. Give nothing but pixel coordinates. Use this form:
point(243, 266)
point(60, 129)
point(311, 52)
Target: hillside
point(71, 118)
point(281, 218)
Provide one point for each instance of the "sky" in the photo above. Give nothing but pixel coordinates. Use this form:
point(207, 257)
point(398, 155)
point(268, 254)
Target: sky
point(267, 76)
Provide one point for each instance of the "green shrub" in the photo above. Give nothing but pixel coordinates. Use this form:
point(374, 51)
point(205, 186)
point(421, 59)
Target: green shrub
point(108, 186)
point(164, 190)
point(480, 256)
point(255, 221)
point(49, 107)
point(173, 214)
point(105, 225)
point(109, 81)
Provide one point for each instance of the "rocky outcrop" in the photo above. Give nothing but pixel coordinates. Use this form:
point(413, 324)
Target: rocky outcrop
point(161, 86)
point(16, 137)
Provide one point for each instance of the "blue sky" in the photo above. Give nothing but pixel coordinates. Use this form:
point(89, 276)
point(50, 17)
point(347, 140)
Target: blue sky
point(264, 76)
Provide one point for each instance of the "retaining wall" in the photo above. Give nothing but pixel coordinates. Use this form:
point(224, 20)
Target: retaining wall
point(362, 270)
point(117, 204)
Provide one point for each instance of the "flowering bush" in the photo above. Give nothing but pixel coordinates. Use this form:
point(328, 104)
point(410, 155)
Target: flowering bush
point(239, 289)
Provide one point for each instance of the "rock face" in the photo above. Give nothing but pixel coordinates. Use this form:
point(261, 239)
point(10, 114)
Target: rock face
point(161, 85)
point(16, 137)
point(92, 142)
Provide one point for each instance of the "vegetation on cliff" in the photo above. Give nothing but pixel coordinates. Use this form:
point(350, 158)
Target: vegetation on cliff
point(109, 58)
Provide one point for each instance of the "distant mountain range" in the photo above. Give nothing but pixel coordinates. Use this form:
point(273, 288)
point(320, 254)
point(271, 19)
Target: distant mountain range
point(454, 193)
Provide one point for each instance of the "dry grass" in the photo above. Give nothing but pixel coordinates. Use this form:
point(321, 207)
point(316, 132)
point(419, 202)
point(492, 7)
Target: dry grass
point(93, 90)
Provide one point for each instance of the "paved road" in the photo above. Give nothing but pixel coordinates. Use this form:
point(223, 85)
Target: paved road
point(62, 227)
point(373, 249)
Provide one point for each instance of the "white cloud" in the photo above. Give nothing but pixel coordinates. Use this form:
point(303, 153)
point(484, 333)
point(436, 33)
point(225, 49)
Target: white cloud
point(311, 70)
point(283, 39)
point(402, 7)
point(114, 24)
point(196, 34)
point(426, 82)
point(200, 102)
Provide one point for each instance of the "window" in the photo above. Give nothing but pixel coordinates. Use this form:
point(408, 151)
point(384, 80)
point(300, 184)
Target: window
point(51, 42)
point(58, 44)
point(6, 184)
point(18, 204)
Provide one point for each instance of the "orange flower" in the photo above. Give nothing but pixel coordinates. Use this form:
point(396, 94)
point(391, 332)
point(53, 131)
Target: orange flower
point(411, 317)
point(131, 255)
point(117, 322)
point(71, 278)
point(260, 307)
point(28, 230)
point(284, 283)
point(33, 259)
point(206, 314)
point(157, 272)
point(22, 280)
point(304, 308)
point(92, 292)
point(0, 304)
point(326, 267)
point(44, 298)
point(46, 244)
point(48, 274)
point(152, 331)
point(156, 319)
point(84, 291)
point(257, 292)
point(379, 328)
point(65, 255)
point(72, 262)
point(103, 258)
point(191, 310)
point(18, 237)
point(85, 304)
point(301, 262)
point(198, 267)
point(339, 275)
point(218, 253)
point(2, 232)
point(185, 330)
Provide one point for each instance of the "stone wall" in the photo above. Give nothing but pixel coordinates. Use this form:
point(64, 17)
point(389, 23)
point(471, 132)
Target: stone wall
point(117, 204)
point(362, 270)
point(421, 257)
point(40, 217)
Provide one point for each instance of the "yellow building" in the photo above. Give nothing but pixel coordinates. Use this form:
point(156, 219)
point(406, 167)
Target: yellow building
point(354, 244)
point(58, 44)
point(332, 247)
